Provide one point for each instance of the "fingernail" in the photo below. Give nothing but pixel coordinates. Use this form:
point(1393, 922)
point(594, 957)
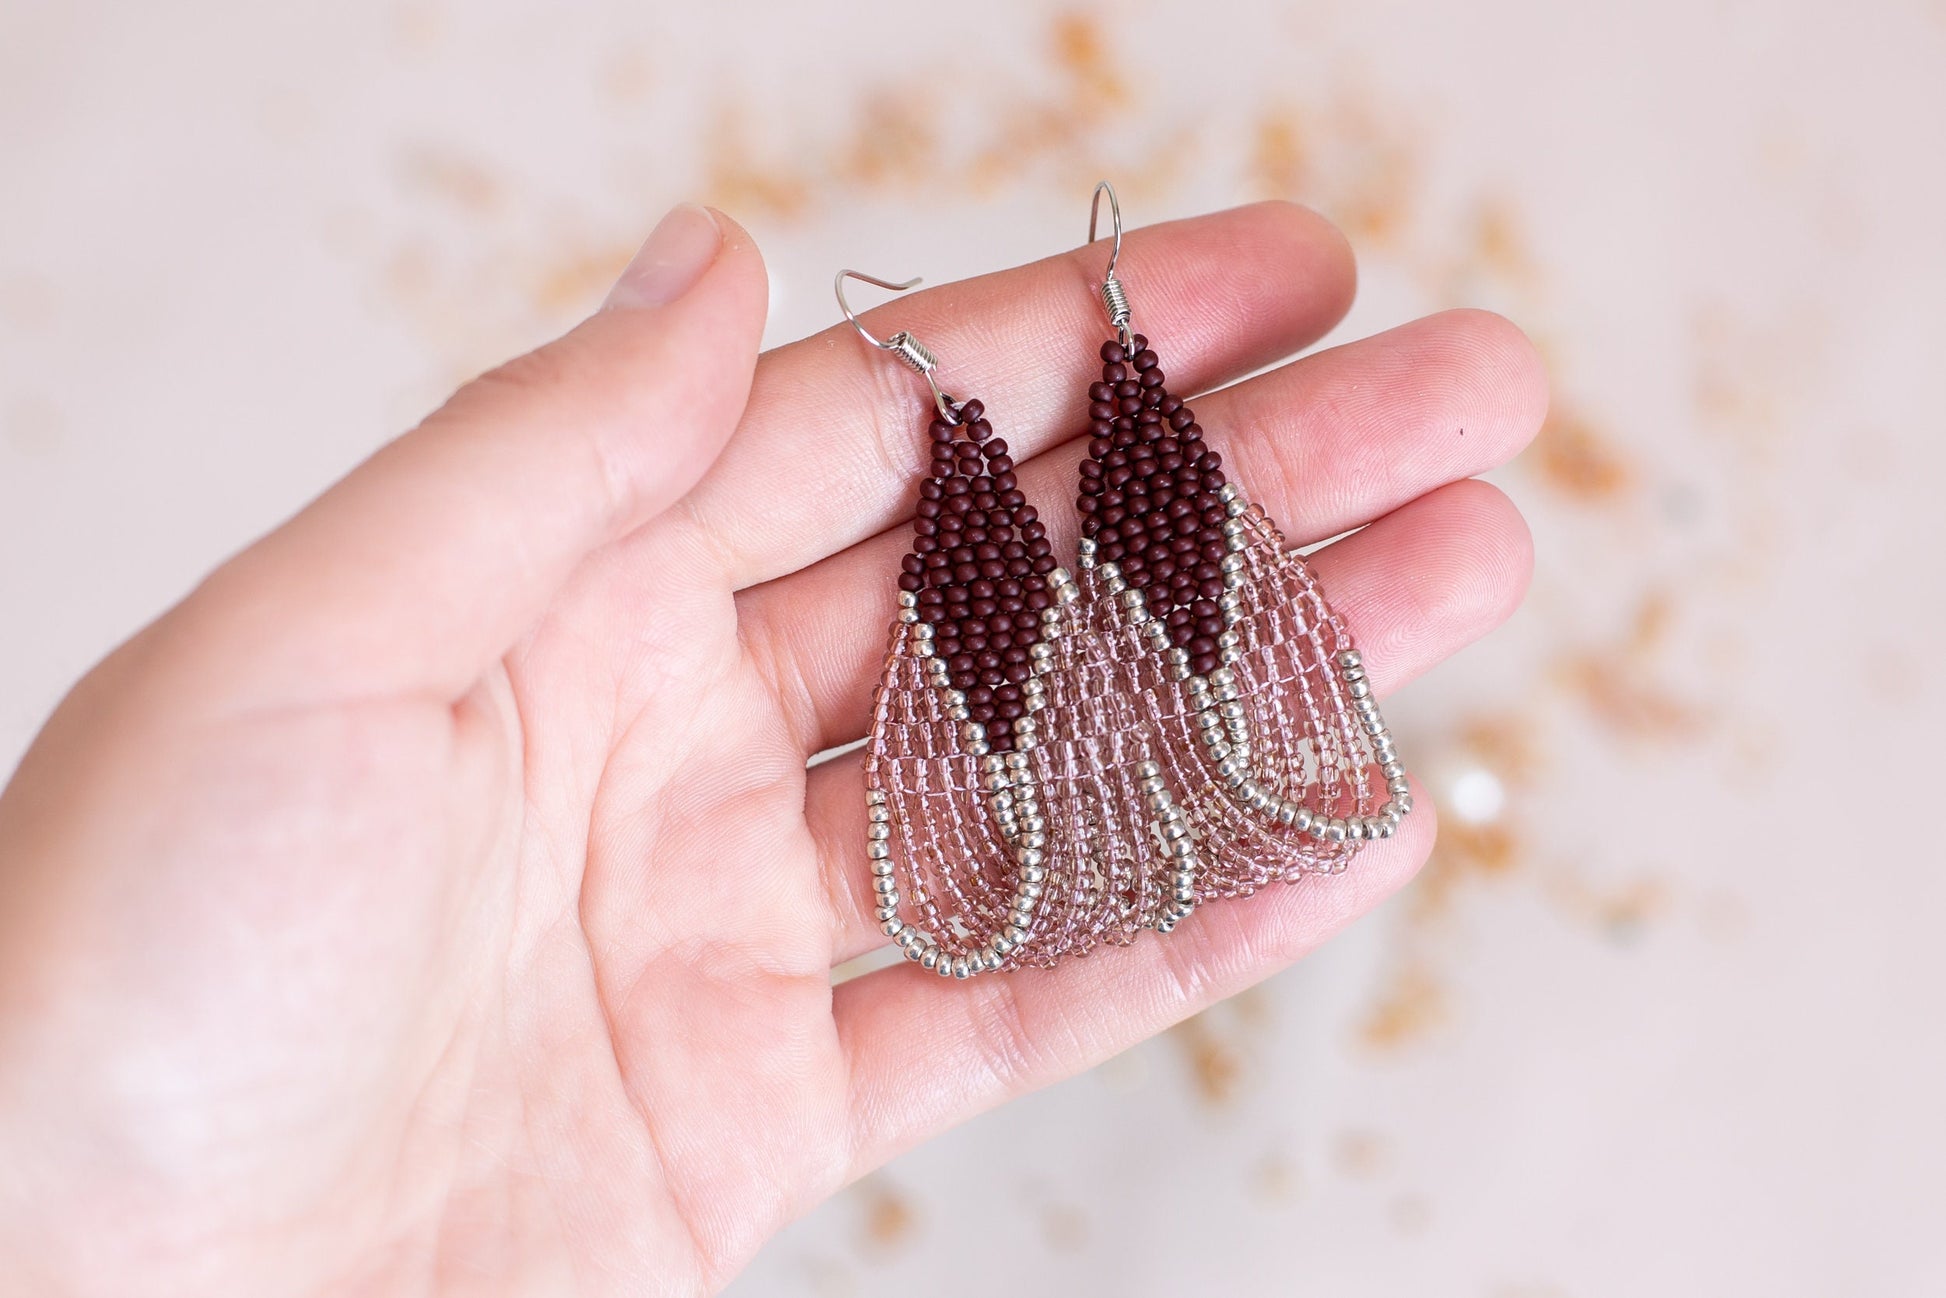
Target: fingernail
point(668, 265)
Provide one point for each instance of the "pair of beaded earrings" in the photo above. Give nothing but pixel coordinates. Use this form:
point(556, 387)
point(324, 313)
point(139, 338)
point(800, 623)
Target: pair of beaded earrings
point(1056, 761)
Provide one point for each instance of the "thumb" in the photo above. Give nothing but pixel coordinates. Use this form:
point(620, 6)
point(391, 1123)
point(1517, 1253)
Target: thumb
point(433, 557)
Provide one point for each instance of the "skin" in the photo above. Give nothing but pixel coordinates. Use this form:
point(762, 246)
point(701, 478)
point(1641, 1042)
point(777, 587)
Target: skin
point(437, 899)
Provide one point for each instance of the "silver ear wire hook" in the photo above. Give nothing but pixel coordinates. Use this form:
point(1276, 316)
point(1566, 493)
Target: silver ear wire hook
point(1113, 296)
point(911, 353)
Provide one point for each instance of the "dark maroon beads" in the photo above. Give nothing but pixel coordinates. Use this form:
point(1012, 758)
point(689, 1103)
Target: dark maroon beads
point(979, 563)
point(1150, 496)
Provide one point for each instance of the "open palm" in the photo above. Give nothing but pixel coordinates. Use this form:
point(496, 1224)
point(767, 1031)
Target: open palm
point(438, 898)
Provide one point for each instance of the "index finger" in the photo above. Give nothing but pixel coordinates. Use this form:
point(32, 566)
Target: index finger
point(834, 434)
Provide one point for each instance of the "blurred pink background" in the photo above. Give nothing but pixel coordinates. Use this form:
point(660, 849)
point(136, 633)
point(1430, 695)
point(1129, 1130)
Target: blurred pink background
point(1664, 1015)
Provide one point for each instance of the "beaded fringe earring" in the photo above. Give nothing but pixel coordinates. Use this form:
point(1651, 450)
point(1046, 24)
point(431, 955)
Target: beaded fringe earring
point(1251, 683)
point(991, 847)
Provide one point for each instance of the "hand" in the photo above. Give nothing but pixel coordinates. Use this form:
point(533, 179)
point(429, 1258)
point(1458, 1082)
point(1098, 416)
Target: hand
point(438, 899)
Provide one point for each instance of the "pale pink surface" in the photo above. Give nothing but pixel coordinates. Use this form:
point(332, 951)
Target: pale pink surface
point(1637, 1033)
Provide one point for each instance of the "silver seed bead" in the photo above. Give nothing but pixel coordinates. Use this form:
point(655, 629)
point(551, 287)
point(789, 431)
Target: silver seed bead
point(891, 927)
point(1350, 658)
point(878, 830)
point(961, 968)
point(1335, 830)
point(929, 958)
point(881, 867)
